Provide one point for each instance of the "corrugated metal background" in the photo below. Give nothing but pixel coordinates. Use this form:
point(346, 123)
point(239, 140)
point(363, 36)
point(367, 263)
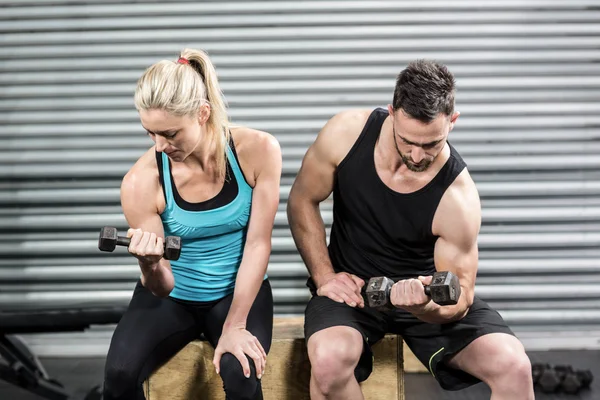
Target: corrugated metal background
point(528, 89)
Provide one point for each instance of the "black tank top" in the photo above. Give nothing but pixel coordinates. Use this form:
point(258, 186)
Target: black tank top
point(377, 231)
point(226, 195)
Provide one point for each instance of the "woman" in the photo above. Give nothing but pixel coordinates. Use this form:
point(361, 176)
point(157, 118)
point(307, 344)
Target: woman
point(217, 187)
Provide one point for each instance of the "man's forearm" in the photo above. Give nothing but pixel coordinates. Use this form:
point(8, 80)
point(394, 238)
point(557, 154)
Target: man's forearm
point(158, 278)
point(436, 314)
point(308, 231)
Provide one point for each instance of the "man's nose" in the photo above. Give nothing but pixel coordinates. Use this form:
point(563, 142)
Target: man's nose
point(417, 154)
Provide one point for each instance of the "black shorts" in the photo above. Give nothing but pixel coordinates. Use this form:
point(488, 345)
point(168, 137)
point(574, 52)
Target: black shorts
point(433, 344)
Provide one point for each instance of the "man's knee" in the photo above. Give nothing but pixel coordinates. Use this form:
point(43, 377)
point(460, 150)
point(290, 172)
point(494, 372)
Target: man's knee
point(334, 353)
point(237, 386)
point(515, 365)
point(510, 365)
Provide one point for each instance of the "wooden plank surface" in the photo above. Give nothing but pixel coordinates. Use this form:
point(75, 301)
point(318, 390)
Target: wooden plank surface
point(190, 373)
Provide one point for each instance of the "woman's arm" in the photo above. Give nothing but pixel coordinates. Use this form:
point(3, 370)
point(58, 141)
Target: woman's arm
point(139, 191)
point(260, 156)
point(264, 155)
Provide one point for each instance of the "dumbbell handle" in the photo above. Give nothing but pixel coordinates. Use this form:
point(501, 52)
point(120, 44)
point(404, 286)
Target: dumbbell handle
point(123, 241)
point(427, 291)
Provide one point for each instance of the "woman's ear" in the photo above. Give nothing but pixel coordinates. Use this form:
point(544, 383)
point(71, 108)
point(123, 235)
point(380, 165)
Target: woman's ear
point(204, 113)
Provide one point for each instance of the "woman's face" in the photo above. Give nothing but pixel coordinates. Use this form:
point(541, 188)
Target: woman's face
point(176, 136)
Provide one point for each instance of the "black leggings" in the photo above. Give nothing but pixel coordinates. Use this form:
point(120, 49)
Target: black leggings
point(154, 329)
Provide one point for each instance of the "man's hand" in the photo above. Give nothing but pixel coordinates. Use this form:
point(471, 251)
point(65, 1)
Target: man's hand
point(343, 288)
point(409, 294)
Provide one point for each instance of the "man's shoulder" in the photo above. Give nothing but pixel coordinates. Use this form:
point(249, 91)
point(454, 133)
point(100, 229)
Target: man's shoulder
point(348, 122)
point(341, 132)
point(459, 211)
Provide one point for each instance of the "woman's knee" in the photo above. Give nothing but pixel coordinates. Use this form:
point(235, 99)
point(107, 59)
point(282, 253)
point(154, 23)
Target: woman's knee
point(119, 379)
point(334, 354)
point(237, 386)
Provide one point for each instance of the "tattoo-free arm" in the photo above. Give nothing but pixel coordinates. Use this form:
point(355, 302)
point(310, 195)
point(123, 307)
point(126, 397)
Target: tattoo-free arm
point(456, 249)
point(265, 200)
point(138, 201)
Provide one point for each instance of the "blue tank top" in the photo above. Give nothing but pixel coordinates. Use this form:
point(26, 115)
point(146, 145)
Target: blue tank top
point(213, 233)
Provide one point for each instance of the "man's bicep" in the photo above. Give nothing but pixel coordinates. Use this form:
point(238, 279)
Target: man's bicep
point(316, 176)
point(461, 259)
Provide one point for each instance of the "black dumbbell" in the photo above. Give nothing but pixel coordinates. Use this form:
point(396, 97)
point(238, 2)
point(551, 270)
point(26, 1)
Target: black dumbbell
point(551, 378)
point(444, 290)
point(537, 369)
point(575, 381)
point(109, 239)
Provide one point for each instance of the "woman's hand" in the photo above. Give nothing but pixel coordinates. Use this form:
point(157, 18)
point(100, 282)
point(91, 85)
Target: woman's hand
point(239, 342)
point(145, 246)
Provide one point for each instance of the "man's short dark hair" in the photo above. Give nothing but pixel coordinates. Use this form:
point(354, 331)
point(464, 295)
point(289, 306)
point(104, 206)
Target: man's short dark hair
point(424, 89)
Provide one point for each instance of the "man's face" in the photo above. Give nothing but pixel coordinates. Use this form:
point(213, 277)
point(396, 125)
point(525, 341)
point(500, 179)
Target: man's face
point(419, 143)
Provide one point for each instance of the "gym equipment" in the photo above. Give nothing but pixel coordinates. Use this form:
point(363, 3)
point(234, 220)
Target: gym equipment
point(551, 378)
point(23, 368)
point(573, 382)
point(109, 240)
point(537, 369)
point(560, 378)
point(444, 290)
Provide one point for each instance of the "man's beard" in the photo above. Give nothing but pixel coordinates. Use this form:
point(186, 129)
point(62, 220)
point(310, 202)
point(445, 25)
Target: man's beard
point(420, 167)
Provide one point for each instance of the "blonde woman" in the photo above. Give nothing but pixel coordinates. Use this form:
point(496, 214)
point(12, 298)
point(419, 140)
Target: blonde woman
point(217, 187)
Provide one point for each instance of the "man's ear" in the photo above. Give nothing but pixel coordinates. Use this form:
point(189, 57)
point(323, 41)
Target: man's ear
point(453, 119)
point(391, 110)
point(204, 113)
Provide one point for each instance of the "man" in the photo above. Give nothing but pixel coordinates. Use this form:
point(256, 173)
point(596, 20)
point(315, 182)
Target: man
point(404, 207)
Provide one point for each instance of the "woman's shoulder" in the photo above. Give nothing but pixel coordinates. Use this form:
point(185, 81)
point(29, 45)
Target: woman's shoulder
point(250, 143)
point(245, 139)
point(255, 150)
point(144, 173)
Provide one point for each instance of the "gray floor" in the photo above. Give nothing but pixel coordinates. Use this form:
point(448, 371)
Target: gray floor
point(79, 375)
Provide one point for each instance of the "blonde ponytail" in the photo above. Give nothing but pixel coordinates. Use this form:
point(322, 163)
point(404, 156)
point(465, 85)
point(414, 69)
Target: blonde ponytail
point(181, 88)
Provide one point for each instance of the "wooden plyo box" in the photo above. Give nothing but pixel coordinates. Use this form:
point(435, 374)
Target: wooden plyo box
point(190, 374)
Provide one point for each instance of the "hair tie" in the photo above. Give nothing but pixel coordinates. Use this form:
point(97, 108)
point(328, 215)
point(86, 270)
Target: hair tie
point(182, 60)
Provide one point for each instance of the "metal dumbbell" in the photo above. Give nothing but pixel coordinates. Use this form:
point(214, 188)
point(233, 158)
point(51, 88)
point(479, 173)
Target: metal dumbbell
point(537, 369)
point(444, 290)
point(109, 240)
point(574, 381)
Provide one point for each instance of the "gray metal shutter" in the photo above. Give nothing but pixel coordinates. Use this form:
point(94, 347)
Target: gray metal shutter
point(528, 80)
